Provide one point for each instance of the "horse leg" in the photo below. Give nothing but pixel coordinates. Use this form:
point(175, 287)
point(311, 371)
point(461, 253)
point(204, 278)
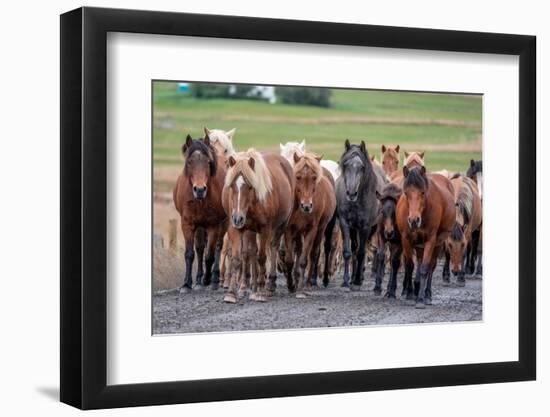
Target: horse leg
point(235, 238)
point(265, 237)
point(287, 260)
point(315, 254)
point(395, 264)
point(417, 278)
point(329, 251)
point(189, 236)
point(309, 239)
point(346, 253)
point(409, 268)
point(479, 269)
point(424, 270)
point(224, 257)
point(244, 281)
point(474, 243)
point(433, 264)
point(200, 243)
point(379, 264)
point(361, 252)
point(211, 245)
point(446, 268)
point(275, 245)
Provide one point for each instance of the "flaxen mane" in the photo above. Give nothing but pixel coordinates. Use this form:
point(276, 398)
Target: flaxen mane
point(465, 201)
point(414, 158)
point(311, 161)
point(223, 138)
point(258, 177)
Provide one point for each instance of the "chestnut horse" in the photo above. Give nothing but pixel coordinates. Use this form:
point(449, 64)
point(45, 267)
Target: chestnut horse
point(425, 217)
point(314, 207)
point(197, 197)
point(468, 220)
point(390, 159)
point(257, 196)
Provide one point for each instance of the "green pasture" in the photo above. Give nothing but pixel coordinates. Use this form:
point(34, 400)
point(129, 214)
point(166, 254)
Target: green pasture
point(447, 126)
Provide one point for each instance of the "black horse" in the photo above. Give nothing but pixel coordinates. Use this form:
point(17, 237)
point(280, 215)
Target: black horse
point(357, 207)
point(474, 252)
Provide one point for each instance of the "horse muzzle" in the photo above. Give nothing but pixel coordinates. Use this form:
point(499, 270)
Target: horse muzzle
point(238, 221)
point(414, 222)
point(389, 234)
point(352, 195)
point(199, 192)
point(306, 208)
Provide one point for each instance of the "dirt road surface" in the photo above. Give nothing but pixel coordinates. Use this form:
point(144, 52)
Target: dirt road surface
point(205, 311)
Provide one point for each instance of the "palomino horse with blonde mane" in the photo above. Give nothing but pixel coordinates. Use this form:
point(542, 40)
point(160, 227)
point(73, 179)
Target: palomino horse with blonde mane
point(257, 196)
point(468, 220)
point(390, 159)
point(425, 217)
point(221, 140)
point(314, 207)
point(197, 197)
point(290, 148)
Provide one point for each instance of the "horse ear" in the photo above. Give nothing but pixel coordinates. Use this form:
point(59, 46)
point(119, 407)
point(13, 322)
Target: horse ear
point(251, 163)
point(319, 157)
point(378, 195)
point(383, 148)
point(303, 145)
point(397, 149)
point(206, 131)
point(421, 154)
point(348, 145)
point(405, 171)
point(230, 134)
point(187, 144)
point(231, 161)
point(363, 147)
point(406, 154)
point(296, 157)
point(472, 162)
point(207, 140)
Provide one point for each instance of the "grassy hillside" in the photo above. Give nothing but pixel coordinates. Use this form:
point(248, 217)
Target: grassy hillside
point(448, 127)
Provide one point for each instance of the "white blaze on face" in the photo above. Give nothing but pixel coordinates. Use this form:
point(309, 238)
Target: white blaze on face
point(479, 180)
point(239, 183)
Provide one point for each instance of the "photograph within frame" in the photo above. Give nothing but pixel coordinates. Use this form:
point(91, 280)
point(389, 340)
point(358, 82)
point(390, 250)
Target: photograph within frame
point(442, 131)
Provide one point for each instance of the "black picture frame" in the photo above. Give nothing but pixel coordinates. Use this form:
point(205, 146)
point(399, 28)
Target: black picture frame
point(84, 207)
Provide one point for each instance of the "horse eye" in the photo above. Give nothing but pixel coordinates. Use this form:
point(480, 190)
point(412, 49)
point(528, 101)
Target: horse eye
point(298, 178)
point(315, 178)
point(225, 151)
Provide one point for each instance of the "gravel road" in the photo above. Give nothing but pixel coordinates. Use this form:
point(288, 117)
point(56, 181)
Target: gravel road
point(205, 311)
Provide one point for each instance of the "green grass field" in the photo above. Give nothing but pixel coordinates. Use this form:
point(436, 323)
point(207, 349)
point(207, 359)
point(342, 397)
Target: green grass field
point(447, 127)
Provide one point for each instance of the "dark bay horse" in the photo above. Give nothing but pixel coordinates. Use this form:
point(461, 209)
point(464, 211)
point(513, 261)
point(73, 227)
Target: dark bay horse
point(475, 172)
point(468, 220)
point(357, 207)
point(197, 197)
point(257, 196)
point(388, 235)
point(314, 207)
point(425, 217)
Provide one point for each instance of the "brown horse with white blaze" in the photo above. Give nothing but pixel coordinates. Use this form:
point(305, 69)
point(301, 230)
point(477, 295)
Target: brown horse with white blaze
point(314, 207)
point(197, 197)
point(425, 217)
point(257, 196)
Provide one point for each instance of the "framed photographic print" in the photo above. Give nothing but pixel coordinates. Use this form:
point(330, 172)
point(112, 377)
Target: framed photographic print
point(255, 208)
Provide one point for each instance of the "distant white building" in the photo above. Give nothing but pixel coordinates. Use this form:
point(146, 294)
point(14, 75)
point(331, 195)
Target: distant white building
point(262, 92)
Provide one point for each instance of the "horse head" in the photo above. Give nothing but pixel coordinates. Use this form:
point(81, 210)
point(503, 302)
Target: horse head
point(221, 141)
point(307, 172)
point(390, 159)
point(475, 172)
point(290, 148)
point(355, 164)
point(456, 246)
point(200, 164)
point(415, 188)
point(388, 204)
point(248, 181)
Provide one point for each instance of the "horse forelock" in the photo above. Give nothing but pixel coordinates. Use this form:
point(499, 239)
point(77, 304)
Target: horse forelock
point(310, 161)
point(414, 158)
point(197, 145)
point(416, 178)
point(259, 178)
point(391, 191)
point(219, 136)
point(354, 152)
point(457, 233)
point(391, 153)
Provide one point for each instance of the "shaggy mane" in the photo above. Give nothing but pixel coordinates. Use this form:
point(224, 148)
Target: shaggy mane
point(464, 198)
point(415, 178)
point(392, 191)
point(259, 178)
point(309, 160)
point(219, 136)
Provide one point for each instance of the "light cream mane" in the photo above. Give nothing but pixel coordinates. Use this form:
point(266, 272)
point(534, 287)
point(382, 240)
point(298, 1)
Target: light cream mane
point(258, 177)
point(221, 140)
point(290, 148)
point(414, 158)
point(311, 161)
point(464, 198)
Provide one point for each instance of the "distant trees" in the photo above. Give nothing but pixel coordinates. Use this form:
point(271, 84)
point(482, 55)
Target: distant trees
point(311, 96)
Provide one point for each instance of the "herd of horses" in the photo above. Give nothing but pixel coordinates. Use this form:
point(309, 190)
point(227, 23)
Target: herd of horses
point(293, 207)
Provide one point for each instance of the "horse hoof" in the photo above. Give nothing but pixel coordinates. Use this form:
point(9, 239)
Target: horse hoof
point(252, 296)
point(301, 295)
point(409, 296)
point(241, 293)
point(355, 287)
point(461, 282)
point(420, 305)
point(325, 283)
point(214, 286)
point(260, 298)
point(185, 290)
point(230, 298)
point(389, 295)
point(345, 284)
point(198, 287)
point(428, 301)
point(291, 290)
point(377, 291)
